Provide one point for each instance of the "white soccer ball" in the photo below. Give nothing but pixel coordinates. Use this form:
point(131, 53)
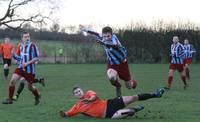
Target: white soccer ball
point(112, 74)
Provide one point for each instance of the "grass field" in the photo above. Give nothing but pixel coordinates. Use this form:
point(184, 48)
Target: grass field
point(177, 105)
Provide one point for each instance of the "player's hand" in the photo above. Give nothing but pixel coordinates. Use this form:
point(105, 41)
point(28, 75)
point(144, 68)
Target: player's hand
point(125, 60)
point(24, 65)
point(62, 113)
point(99, 41)
point(86, 101)
point(15, 61)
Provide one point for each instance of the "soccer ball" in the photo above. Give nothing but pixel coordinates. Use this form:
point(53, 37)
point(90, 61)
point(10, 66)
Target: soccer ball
point(112, 74)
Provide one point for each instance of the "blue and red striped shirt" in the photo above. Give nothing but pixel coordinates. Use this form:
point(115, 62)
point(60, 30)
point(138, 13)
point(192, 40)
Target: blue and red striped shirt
point(177, 53)
point(115, 52)
point(189, 50)
point(25, 53)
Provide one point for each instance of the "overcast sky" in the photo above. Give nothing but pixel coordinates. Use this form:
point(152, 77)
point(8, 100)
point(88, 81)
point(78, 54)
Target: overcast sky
point(122, 12)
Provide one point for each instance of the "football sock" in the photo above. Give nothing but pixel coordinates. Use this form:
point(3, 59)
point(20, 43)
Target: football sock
point(36, 80)
point(115, 83)
point(11, 91)
point(20, 89)
point(6, 72)
point(184, 80)
point(170, 79)
point(35, 92)
point(145, 96)
point(187, 72)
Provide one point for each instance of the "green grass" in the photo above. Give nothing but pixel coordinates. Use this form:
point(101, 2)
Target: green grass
point(177, 105)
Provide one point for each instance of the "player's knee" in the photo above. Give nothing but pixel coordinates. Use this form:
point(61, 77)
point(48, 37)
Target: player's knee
point(113, 82)
point(5, 66)
point(12, 82)
point(112, 75)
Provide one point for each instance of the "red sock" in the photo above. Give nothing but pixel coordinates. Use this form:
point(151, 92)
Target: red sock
point(170, 79)
point(11, 91)
point(184, 80)
point(35, 93)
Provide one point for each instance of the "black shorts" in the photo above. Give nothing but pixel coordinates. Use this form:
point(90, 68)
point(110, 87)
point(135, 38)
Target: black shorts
point(113, 105)
point(7, 61)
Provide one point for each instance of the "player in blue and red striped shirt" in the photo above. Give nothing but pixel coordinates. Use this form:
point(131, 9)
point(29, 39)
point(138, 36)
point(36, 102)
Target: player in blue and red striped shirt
point(27, 55)
point(177, 62)
point(116, 56)
point(189, 52)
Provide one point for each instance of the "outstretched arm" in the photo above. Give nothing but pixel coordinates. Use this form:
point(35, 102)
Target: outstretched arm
point(62, 113)
point(84, 29)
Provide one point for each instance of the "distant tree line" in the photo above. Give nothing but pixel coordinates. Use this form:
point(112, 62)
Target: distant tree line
point(144, 44)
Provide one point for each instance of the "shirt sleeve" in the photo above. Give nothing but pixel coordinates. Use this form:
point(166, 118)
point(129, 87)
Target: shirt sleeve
point(90, 93)
point(73, 111)
point(36, 51)
point(97, 35)
point(181, 52)
point(16, 55)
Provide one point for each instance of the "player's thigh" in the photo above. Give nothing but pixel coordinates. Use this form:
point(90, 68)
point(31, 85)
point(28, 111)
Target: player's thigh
point(14, 78)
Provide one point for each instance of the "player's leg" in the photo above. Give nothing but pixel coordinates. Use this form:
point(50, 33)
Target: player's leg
point(187, 71)
point(123, 113)
point(170, 76)
point(113, 78)
point(30, 78)
point(20, 88)
point(119, 103)
point(40, 80)
point(6, 67)
point(35, 92)
point(183, 76)
point(125, 75)
point(144, 96)
point(11, 88)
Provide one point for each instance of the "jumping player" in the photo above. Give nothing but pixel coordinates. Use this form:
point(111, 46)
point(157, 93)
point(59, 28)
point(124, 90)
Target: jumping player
point(117, 58)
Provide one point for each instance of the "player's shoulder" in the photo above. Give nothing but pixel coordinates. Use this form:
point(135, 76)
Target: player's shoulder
point(91, 92)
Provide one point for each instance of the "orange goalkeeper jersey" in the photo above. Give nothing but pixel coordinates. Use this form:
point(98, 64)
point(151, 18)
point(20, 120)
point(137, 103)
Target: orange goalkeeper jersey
point(7, 50)
point(96, 108)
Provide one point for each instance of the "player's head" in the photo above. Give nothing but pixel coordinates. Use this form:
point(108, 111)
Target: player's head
point(6, 39)
point(25, 36)
point(78, 92)
point(107, 33)
point(186, 41)
point(175, 39)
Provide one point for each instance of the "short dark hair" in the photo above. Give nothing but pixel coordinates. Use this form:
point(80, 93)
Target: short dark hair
point(76, 87)
point(107, 29)
point(25, 32)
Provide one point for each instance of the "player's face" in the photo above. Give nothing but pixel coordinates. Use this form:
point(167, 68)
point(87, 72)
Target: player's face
point(107, 36)
point(175, 39)
point(7, 40)
point(25, 37)
point(186, 41)
point(79, 93)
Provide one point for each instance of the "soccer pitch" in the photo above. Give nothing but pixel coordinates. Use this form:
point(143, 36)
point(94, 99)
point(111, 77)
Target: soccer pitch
point(176, 105)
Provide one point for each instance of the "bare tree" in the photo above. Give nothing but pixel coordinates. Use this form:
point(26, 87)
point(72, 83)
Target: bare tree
point(12, 17)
